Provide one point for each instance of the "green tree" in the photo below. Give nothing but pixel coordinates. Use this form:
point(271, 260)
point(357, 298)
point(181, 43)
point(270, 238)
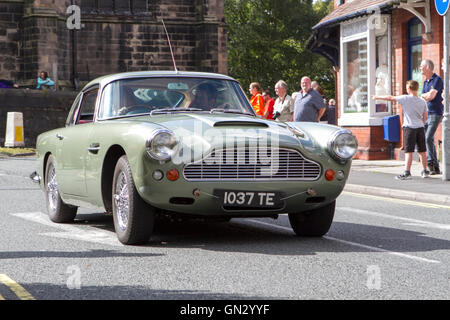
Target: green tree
point(267, 42)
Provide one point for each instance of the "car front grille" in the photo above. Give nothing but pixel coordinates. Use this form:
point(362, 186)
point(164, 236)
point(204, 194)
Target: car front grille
point(252, 164)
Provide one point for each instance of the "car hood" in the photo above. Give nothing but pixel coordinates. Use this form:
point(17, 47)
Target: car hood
point(200, 133)
point(214, 127)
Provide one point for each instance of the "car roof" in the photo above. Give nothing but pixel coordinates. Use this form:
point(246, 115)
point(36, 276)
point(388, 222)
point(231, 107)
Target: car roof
point(102, 81)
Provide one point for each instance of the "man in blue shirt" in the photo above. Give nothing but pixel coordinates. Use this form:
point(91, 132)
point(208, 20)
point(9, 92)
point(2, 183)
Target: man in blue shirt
point(432, 93)
point(309, 104)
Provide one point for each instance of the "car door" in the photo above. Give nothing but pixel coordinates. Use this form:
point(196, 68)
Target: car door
point(75, 146)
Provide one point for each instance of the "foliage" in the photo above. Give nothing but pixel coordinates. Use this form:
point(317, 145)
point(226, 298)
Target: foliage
point(267, 42)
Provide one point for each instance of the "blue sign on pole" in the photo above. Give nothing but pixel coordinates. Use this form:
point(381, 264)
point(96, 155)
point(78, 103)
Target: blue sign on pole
point(441, 6)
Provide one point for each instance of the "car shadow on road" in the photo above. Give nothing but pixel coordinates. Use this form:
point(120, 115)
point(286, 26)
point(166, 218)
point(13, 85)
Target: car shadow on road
point(74, 254)
point(242, 235)
point(45, 291)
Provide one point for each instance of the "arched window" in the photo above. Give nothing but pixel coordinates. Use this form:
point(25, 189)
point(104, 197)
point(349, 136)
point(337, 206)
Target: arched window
point(414, 50)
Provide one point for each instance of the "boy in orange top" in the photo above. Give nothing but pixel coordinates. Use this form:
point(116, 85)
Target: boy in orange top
point(257, 100)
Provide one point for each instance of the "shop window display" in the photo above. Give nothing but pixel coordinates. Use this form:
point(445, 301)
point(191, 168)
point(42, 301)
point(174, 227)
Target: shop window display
point(356, 80)
point(382, 73)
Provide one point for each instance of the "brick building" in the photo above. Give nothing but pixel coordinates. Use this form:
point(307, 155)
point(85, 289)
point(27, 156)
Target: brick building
point(113, 36)
point(375, 46)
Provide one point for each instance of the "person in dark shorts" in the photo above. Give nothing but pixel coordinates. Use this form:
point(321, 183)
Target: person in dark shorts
point(414, 118)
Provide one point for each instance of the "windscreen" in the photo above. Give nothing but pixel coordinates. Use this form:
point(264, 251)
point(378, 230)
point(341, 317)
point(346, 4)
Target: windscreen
point(143, 95)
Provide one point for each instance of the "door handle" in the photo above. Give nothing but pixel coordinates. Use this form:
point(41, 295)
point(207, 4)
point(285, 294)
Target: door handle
point(94, 147)
point(60, 137)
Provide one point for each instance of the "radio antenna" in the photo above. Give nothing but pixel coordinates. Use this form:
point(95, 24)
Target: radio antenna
point(170, 46)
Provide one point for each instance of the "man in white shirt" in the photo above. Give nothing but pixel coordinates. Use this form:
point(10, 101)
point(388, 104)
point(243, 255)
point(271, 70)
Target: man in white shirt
point(284, 105)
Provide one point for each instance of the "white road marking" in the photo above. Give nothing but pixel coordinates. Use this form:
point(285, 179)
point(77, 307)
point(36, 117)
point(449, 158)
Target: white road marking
point(70, 231)
point(403, 255)
point(397, 200)
point(355, 244)
point(13, 175)
point(411, 222)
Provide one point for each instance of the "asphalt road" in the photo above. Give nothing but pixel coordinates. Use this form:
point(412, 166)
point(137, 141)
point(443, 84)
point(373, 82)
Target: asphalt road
point(377, 248)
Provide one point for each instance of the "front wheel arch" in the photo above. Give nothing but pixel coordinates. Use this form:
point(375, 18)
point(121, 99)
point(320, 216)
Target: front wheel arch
point(44, 165)
point(109, 164)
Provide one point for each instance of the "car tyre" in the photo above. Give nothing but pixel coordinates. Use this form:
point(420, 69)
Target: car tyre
point(313, 223)
point(58, 211)
point(133, 217)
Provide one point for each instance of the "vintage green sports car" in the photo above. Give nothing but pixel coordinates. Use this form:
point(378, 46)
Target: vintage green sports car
point(145, 144)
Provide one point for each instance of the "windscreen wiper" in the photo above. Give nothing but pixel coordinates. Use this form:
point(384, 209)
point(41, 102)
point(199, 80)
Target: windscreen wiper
point(171, 110)
point(231, 111)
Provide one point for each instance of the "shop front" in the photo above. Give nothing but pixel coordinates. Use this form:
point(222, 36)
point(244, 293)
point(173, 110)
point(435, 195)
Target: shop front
point(377, 46)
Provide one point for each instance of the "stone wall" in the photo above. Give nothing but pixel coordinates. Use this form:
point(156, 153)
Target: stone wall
point(114, 36)
point(11, 24)
point(42, 111)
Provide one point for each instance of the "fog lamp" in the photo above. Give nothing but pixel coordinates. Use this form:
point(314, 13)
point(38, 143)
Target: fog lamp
point(158, 175)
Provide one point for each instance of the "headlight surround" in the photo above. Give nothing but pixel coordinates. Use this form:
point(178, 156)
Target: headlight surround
point(343, 145)
point(162, 145)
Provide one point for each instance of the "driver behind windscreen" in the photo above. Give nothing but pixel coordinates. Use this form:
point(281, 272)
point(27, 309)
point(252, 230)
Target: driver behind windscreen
point(205, 97)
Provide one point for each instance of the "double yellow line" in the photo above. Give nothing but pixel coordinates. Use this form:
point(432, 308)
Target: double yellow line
point(16, 288)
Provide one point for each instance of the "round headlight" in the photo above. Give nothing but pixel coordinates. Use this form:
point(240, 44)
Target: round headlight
point(343, 145)
point(162, 145)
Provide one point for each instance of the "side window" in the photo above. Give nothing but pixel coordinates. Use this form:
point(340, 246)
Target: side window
point(73, 111)
point(86, 111)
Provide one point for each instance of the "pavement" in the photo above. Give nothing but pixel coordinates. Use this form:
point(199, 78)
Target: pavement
point(377, 177)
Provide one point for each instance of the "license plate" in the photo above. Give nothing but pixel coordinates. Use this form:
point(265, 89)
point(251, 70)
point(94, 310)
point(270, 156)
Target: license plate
point(249, 199)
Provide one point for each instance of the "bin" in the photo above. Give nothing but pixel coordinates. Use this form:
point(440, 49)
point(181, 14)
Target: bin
point(391, 128)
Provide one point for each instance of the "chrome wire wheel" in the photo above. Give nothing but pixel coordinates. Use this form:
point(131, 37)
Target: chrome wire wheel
point(52, 188)
point(58, 210)
point(133, 217)
point(122, 201)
